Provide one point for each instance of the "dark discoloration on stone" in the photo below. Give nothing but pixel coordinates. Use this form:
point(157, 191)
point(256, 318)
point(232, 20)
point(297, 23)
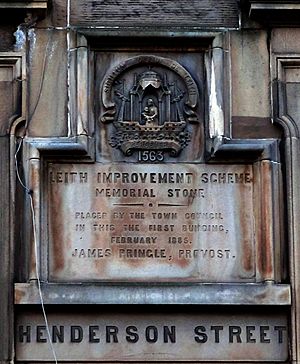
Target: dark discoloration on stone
point(7, 39)
point(6, 300)
point(254, 128)
point(202, 13)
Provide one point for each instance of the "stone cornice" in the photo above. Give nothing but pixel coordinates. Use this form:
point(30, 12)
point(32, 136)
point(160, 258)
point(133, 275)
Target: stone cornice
point(22, 4)
point(275, 12)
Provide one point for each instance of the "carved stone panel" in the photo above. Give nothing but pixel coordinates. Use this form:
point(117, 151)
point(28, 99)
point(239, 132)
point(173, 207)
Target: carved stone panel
point(151, 222)
point(150, 208)
point(150, 108)
point(165, 337)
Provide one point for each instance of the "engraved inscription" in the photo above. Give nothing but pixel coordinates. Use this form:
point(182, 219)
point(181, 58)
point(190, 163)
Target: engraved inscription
point(111, 222)
point(143, 338)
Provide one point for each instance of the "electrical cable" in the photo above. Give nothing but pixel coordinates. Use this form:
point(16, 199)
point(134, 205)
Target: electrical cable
point(41, 84)
point(38, 279)
point(37, 267)
point(30, 194)
point(17, 169)
point(69, 66)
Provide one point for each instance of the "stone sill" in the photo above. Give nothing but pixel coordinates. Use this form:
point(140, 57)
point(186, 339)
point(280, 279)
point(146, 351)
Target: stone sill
point(260, 294)
point(21, 4)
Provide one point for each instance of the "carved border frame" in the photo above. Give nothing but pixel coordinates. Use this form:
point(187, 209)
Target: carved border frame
point(79, 144)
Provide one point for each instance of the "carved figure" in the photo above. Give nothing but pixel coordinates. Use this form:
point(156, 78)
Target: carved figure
point(150, 113)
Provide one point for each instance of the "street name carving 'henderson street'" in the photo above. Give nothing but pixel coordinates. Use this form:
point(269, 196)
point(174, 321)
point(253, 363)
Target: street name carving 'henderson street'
point(152, 334)
point(160, 336)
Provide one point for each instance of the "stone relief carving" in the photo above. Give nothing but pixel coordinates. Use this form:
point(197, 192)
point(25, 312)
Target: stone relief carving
point(149, 100)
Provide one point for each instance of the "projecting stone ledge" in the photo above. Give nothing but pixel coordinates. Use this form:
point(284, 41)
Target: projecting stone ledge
point(275, 12)
point(162, 294)
point(22, 4)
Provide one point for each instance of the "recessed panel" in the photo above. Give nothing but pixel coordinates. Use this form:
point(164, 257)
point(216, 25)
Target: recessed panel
point(151, 222)
point(153, 337)
point(149, 103)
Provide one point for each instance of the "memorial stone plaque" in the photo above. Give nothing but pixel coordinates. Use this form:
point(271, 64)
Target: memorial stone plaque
point(149, 208)
point(151, 222)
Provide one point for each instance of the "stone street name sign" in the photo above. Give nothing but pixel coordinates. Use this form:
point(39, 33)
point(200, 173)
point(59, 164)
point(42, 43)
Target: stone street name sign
point(168, 337)
point(151, 222)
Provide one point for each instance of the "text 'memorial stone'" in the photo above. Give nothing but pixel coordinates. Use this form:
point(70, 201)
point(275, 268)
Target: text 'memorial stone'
point(151, 222)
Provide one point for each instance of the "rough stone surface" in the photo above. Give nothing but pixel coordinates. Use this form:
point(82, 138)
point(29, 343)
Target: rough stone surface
point(7, 39)
point(286, 40)
point(47, 83)
point(250, 74)
point(56, 15)
point(254, 127)
point(201, 13)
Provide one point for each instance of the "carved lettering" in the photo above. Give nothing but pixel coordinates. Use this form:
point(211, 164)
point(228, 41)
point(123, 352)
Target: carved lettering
point(110, 334)
point(209, 336)
point(138, 220)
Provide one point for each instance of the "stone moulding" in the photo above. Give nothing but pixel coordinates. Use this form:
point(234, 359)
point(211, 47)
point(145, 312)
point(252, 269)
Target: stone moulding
point(281, 64)
point(171, 294)
point(22, 4)
point(12, 67)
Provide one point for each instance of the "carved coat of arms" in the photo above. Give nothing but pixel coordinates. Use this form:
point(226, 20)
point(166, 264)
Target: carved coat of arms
point(149, 100)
